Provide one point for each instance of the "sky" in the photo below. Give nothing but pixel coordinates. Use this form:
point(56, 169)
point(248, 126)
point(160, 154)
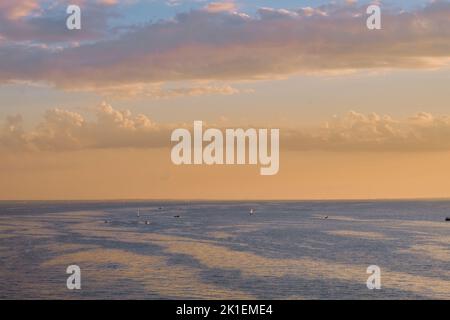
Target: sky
point(87, 114)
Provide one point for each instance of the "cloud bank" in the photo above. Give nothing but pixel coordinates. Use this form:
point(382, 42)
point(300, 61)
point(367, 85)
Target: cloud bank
point(358, 132)
point(42, 22)
point(64, 130)
point(218, 43)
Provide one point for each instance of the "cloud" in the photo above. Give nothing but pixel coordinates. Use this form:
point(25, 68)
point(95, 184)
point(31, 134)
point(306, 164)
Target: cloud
point(221, 6)
point(13, 9)
point(62, 130)
point(223, 45)
point(159, 91)
point(44, 23)
point(372, 132)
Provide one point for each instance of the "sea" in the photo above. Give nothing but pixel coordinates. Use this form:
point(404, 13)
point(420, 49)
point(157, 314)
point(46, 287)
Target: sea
point(292, 250)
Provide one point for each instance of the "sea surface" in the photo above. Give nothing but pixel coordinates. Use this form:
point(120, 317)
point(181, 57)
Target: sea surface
point(218, 250)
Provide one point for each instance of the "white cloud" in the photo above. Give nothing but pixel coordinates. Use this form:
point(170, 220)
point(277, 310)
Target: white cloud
point(372, 132)
point(66, 130)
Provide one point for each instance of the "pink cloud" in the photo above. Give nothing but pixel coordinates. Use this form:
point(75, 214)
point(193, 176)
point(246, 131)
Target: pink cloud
point(15, 9)
point(230, 46)
point(220, 6)
point(38, 22)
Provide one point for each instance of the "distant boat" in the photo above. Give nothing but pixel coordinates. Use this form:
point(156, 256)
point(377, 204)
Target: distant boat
point(326, 217)
point(252, 212)
point(139, 212)
point(176, 216)
point(447, 219)
point(106, 221)
point(147, 222)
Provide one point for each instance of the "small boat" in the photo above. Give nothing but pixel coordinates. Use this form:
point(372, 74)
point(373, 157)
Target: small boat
point(106, 221)
point(147, 222)
point(176, 216)
point(138, 212)
point(447, 219)
point(326, 217)
point(252, 212)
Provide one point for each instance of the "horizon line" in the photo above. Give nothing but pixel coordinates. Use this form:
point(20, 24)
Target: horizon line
point(229, 200)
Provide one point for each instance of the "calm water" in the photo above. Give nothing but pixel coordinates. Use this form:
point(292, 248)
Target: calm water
point(286, 250)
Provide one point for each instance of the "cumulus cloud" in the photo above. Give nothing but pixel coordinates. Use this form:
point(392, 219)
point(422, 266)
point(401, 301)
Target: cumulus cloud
point(225, 45)
point(62, 130)
point(372, 132)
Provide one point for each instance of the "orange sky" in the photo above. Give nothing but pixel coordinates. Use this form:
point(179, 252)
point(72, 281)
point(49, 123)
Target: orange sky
point(88, 115)
point(140, 174)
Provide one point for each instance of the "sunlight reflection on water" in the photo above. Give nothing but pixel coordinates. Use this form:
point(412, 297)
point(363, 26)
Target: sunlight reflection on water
point(286, 250)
